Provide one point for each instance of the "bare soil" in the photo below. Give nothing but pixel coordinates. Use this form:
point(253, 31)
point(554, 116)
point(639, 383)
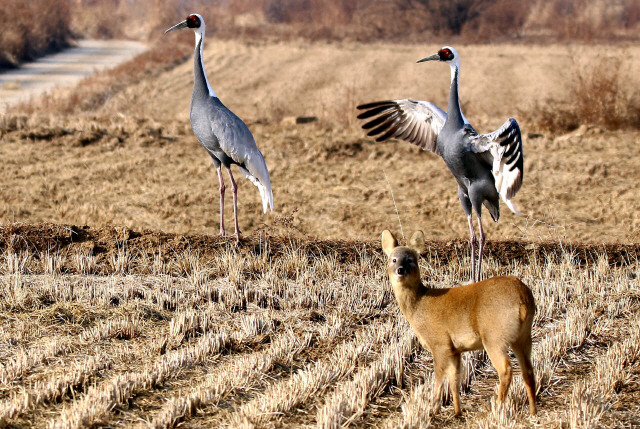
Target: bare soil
point(135, 162)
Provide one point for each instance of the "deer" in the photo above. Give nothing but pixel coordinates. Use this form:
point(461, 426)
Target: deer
point(494, 314)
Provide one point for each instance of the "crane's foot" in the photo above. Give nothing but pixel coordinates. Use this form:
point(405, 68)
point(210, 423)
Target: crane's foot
point(222, 233)
point(236, 235)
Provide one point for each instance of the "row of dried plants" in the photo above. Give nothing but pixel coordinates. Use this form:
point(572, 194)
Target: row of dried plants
point(250, 373)
point(292, 333)
point(316, 378)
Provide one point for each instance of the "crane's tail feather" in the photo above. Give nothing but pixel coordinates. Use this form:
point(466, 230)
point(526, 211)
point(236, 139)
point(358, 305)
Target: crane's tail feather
point(512, 206)
point(266, 193)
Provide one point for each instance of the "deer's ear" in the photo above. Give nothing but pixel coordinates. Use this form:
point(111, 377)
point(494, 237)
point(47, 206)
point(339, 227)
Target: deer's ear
point(417, 242)
point(389, 242)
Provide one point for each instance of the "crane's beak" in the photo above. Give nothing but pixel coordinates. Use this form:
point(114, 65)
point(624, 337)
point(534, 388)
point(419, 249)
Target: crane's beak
point(178, 26)
point(434, 57)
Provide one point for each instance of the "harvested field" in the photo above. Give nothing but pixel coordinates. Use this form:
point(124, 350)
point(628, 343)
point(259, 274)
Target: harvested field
point(123, 328)
point(135, 162)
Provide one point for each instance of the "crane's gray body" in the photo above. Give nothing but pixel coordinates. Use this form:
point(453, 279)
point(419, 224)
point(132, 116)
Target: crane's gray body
point(221, 132)
point(476, 184)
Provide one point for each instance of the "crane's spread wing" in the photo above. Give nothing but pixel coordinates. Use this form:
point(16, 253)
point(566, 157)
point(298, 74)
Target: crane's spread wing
point(237, 142)
point(503, 150)
point(418, 122)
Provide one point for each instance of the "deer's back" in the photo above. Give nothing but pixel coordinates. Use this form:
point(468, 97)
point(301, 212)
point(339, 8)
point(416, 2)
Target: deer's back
point(499, 307)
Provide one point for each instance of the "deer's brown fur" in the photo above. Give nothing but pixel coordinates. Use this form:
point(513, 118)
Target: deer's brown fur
point(495, 314)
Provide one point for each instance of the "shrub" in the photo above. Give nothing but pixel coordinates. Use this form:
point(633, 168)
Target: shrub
point(584, 20)
point(32, 28)
point(602, 93)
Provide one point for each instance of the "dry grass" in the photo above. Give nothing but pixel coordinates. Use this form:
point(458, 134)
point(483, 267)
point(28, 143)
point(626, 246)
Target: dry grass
point(295, 341)
point(32, 29)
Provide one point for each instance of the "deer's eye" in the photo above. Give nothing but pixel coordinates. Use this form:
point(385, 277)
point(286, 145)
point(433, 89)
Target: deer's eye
point(394, 260)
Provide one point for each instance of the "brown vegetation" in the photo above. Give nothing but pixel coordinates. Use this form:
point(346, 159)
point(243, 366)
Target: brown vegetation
point(122, 326)
point(399, 20)
point(602, 91)
point(32, 28)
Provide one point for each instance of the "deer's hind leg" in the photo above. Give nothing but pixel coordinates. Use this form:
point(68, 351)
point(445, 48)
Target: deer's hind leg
point(522, 351)
point(500, 360)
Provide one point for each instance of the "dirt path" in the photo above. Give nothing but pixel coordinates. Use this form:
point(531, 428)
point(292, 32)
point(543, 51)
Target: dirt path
point(64, 68)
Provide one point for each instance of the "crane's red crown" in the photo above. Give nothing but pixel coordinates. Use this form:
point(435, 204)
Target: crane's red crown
point(193, 21)
point(445, 54)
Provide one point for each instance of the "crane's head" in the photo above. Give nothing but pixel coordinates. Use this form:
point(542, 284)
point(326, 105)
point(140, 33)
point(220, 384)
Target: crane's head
point(193, 21)
point(447, 54)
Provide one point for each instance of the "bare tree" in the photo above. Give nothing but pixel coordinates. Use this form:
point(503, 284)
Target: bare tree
point(451, 15)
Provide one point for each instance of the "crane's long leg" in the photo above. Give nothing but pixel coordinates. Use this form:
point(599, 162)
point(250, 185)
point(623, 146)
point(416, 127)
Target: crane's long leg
point(234, 188)
point(473, 248)
point(480, 248)
point(222, 189)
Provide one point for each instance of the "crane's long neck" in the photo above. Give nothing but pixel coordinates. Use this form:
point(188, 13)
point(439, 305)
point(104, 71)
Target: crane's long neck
point(201, 87)
point(454, 113)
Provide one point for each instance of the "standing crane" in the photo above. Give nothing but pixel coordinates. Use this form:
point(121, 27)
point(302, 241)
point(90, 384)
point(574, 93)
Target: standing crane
point(486, 166)
point(224, 136)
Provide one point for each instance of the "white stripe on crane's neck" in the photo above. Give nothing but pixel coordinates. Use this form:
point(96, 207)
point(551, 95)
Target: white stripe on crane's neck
point(455, 70)
point(199, 32)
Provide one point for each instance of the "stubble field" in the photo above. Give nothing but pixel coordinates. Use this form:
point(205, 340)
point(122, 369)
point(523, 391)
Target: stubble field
point(143, 318)
point(126, 329)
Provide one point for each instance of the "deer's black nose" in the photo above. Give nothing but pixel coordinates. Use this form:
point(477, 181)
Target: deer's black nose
point(401, 271)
